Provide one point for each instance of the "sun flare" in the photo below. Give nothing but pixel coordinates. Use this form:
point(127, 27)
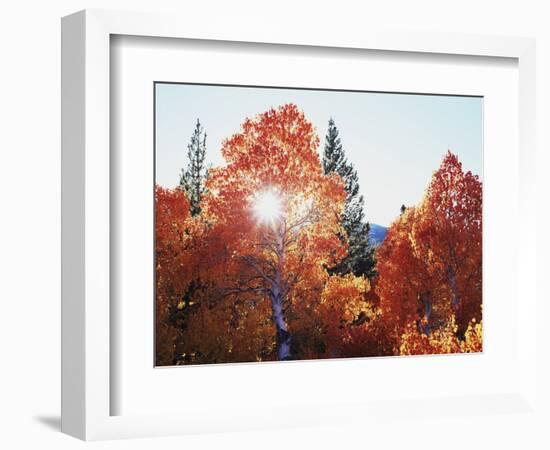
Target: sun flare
point(267, 206)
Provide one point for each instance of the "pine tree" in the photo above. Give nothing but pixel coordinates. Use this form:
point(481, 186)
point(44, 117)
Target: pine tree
point(360, 259)
point(193, 178)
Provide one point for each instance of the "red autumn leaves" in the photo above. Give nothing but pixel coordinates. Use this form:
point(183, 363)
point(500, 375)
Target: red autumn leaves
point(430, 265)
point(231, 287)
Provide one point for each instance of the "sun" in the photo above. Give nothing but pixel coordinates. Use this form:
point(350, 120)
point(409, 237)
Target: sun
point(267, 206)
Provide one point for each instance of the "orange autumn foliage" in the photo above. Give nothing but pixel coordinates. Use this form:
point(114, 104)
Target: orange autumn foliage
point(172, 259)
point(344, 304)
point(430, 267)
point(237, 283)
point(403, 277)
point(442, 340)
point(229, 332)
point(448, 237)
point(353, 323)
point(284, 259)
point(277, 151)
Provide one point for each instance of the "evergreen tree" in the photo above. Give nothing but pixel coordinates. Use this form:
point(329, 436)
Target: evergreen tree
point(403, 209)
point(193, 178)
point(360, 259)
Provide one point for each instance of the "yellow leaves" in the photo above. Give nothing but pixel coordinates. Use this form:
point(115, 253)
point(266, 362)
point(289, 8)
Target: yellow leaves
point(473, 338)
point(442, 340)
point(345, 289)
point(414, 342)
point(230, 332)
point(343, 301)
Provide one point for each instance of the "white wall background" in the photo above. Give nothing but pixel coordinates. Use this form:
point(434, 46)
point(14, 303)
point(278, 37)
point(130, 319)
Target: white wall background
point(30, 196)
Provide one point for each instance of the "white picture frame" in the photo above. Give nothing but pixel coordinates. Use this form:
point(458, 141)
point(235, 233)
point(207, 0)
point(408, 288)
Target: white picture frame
point(86, 325)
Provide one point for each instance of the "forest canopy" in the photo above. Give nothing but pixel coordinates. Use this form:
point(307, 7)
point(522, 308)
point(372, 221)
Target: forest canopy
point(268, 257)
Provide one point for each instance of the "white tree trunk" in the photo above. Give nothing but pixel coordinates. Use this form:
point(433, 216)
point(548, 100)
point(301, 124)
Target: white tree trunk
point(283, 336)
point(278, 294)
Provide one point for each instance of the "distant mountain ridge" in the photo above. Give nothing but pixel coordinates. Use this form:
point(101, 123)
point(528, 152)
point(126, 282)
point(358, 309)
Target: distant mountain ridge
point(377, 234)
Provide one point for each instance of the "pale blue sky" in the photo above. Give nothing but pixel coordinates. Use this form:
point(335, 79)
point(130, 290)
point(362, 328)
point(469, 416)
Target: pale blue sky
point(395, 141)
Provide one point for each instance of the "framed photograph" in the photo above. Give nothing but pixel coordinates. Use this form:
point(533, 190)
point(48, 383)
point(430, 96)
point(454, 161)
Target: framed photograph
point(268, 230)
point(263, 249)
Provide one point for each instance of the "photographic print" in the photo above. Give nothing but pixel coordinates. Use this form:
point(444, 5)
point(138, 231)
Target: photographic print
point(299, 224)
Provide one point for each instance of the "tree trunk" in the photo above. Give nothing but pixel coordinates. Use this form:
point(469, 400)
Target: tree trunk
point(278, 293)
point(283, 336)
point(427, 305)
point(451, 277)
